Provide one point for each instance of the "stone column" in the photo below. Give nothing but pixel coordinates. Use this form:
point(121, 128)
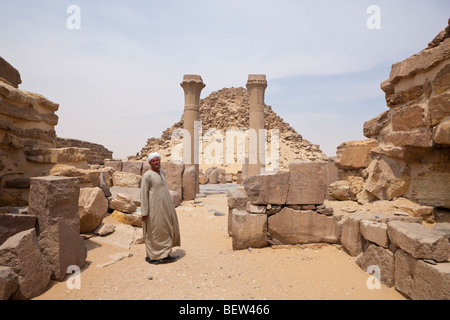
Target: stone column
point(256, 87)
point(192, 85)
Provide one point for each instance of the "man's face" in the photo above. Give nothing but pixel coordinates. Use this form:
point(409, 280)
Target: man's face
point(155, 163)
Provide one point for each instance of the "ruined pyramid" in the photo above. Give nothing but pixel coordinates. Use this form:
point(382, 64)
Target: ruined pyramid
point(228, 109)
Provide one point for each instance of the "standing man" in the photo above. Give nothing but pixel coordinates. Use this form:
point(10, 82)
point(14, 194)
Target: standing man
point(159, 218)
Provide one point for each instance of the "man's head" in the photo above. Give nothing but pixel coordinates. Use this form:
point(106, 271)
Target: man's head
point(154, 159)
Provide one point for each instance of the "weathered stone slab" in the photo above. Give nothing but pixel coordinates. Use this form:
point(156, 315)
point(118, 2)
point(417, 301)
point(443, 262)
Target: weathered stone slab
point(57, 155)
point(189, 184)
point(53, 199)
point(92, 207)
point(174, 176)
point(375, 232)
point(126, 179)
point(9, 73)
point(291, 226)
point(249, 230)
point(236, 200)
point(11, 224)
point(421, 62)
point(353, 155)
point(132, 219)
point(267, 189)
point(419, 241)
point(116, 164)
point(123, 202)
point(133, 193)
point(438, 107)
point(88, 178)
point(431, 188)
point(9, 282)
point(306, 183)
point(381, 258)
point(62, 247)
point(21, 253)
point(133, 167)
point(420, 280)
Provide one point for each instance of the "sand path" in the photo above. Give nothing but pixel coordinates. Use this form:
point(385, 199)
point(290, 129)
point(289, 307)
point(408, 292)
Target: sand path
point(208, 268)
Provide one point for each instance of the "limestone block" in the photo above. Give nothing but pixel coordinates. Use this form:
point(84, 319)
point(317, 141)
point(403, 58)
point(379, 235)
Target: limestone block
point(407, 118)
point(340, 190)
point(420, 280)
point(133, 193)
point(174, 176)
point(351, 238)
point(306, 183)
point(421, 138)
point(87, 177)
point(381, 258)
point(374, 231)
point(267, 189)
point(419, 241)
point(123, 202)
point(438, 107)
point(132, 219)
point(441, 134)
point(236, 200)
point(373, 127)
point(431, 188)
point(402, 97)
point(9, 282)
point(62, 247)
point(442, 81)
point(189, 184)
point(354, 155)
point(92, 207)
point(116, 164)
point(9, 73)
point(21, 253)
point(53, 199)
point(11, 224)
point(420, 62)
point(443, 227)
point(57, 155)
point(249, 230)
point(388, 178)
point(291, 226)
point(133, 167)
point(414, 209)
point(126, 179)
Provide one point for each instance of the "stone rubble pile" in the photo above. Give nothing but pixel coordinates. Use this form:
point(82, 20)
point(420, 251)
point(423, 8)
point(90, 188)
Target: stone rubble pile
point(287, 209)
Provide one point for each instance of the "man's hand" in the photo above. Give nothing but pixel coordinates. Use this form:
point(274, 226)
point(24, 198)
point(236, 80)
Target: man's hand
point(144, 218)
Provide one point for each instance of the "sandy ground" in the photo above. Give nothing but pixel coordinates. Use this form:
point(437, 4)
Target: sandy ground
point(208, 268)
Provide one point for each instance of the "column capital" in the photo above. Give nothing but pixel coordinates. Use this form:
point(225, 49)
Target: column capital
point(256, 80)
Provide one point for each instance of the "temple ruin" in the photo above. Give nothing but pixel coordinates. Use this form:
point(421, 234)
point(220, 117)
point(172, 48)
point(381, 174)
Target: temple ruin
point(53, 191)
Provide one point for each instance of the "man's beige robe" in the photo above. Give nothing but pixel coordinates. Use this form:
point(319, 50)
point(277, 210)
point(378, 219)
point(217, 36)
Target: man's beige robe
point(161, 229)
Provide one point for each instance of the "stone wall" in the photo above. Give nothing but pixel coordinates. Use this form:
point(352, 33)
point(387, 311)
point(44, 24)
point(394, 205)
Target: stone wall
point(29, 146)
point(408, 150)
point(97, 153)
point(413, 155)
point(287, 209)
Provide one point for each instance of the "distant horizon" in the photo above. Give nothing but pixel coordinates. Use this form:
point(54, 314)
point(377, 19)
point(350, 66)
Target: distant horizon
point(115, 67)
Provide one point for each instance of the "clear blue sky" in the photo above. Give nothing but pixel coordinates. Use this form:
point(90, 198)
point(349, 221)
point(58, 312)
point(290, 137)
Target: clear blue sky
point(117, 79)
